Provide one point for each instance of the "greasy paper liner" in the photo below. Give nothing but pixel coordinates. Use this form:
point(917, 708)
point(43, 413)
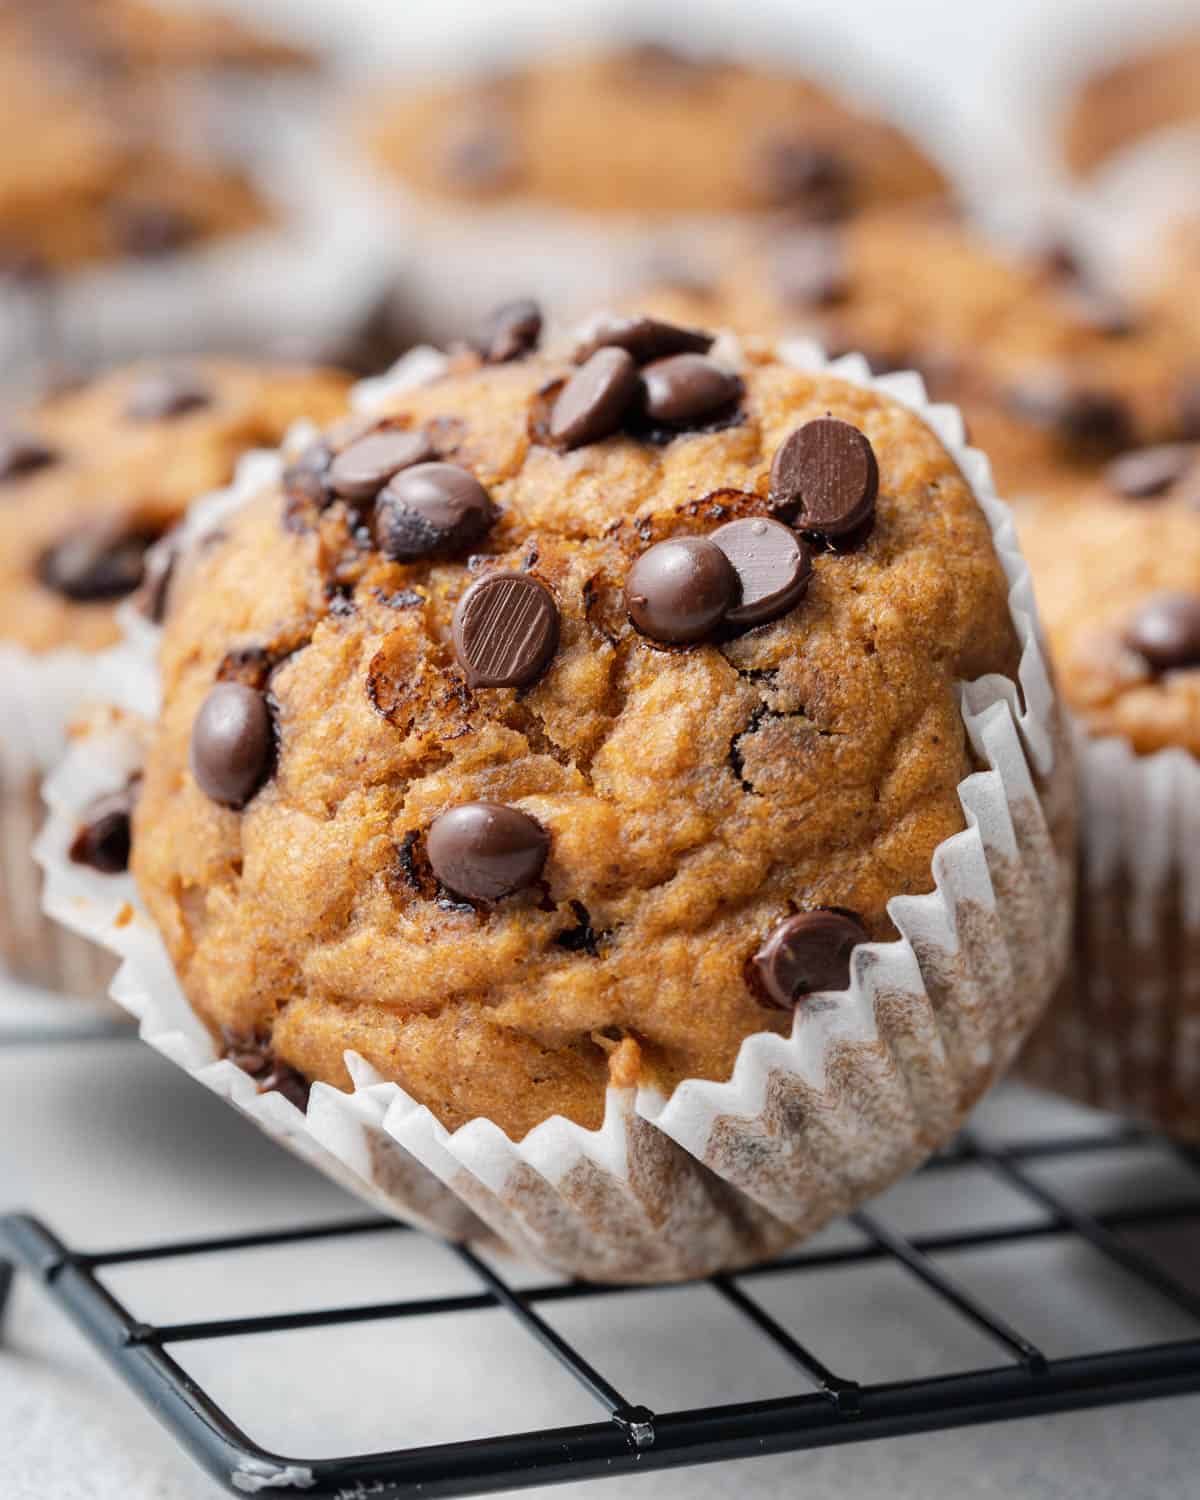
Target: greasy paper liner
point(1123, 1033)
point(718, 1175)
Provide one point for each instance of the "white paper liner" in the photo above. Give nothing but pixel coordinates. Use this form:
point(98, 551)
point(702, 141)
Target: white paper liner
point(870, 1080)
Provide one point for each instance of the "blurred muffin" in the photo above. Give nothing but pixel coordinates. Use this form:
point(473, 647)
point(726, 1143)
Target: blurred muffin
point(89, 480)
point(1170, 277)
point(1151, 91)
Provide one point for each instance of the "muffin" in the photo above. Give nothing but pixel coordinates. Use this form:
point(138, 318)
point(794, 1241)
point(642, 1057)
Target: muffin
point(1169, 280)
point(1053, 373)
point(1119, 581)
point(1155, 89)
point(612, 790)
point(90, 479)
point(552, 176)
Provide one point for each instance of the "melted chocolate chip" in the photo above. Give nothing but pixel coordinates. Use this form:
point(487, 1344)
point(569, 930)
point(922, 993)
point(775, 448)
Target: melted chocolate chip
point(99, 562)
point(255, 1056)
point(593, 403)
point(1165, 631)
point(511, 331)
point(645, 339)
point(1148, 472)
point(432, 510)
point(772, 564)
point(825, 478)
point(485, 850)
point(233, 743)
point(804, 176)
point(305, 479)
point(21, 453)
point(810, 269)
point(362, 468)
point(103, 840)
point(807, 954)
point(1093, 421)
point(506, 629)
point(679, 591)
point(686, 389)
point(165, 394)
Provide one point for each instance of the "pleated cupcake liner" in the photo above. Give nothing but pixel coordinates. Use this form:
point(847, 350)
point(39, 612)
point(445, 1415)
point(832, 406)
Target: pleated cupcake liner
point(718, 1175)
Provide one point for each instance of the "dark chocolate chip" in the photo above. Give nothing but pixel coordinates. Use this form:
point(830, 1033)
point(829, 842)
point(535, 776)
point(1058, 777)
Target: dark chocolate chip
point(1147, 472)
point(506, 629)
point(481, 156)
point(255, 1056)
point(21, 453)
point(680, 590)
point(104, 836)
point(1165, 631)
point(773, 566)
point(810, 269)
point(687, 388)
point(167, 393)
point(102, 561)
point(804, 176)
point(485, 850)
point(645, 339)
point(824, 477)
point(1094, 421)
point(305, 479)
point(593, 403)
point(149, 230)
point(432, 510)
point(362, 469)
point(233, 743)
point(511, 331)
point(807, 954)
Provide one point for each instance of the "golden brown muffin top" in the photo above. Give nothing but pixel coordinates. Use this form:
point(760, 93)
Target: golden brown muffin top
point(90, 478)
point(307, 836)
point(595, 134)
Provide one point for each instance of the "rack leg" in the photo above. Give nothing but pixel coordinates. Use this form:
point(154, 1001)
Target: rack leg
point(7, 1272)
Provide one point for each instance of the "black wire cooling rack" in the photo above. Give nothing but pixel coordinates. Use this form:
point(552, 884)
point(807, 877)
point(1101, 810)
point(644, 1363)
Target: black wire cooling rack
point(629, 1438)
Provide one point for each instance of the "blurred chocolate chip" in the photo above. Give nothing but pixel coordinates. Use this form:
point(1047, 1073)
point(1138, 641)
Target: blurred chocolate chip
point(657, 65)
point(362, 468)
point(807, 954)
point(23, 267)
point(1058, 259)
point(593, 403)
point(481, 155)
point(644, 338)
point(513, 329)
point(810, 269)
point(101, 561)
point(233, 743)
point(1147, 472)
point(432, 510)
point(486, 850)
point(167, 393)
point(102, 842)
point(256, 1057)
point(506, 629)
point(1083, 419)
point(305, 479)
point(148, 230)
point(679, 591)
point(1165, 631)
point(803, 176)
point(158, 571)
point(825, 478)
point(687, 388)
point(773, 566)
point(21, 453)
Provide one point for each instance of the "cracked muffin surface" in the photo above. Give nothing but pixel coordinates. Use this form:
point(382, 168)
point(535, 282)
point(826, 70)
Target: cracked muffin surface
point(505, 897)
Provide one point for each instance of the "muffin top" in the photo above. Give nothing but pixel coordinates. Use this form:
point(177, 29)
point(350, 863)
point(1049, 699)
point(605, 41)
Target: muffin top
point(1053, 373)
point(1153, 90)
point(592, 133)
point(89, 479)
point(1170, 276)
point(1119, 590)
point(564, 720)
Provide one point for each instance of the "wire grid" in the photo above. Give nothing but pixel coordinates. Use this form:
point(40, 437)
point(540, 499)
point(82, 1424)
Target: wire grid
point(827, 1408)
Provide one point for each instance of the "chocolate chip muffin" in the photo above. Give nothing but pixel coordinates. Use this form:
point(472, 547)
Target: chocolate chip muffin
point(561, 724)
point(1054, 374)
point(1153, 90)
point(89, 480)
point(1169, 278)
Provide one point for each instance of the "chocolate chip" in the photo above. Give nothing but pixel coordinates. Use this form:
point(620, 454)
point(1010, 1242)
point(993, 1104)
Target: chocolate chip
point(103, 840)
point(485, 850)
point(166, 393)
point(1147, 472)
point(1165, 631)
point(233, 743)
point(506, 629)
point(158, 571)
point(481, 156)
point(659, 66)
point(21, 453)
point(305, 479)
point(804, 176)
point(256, 1057)
point(149, 230)
point(679, 591)
point(102, 561)
point(362, 469)
point(1083, 419)
point(432, 510)
point(511, 331)
point(644, 338)
point(688, 388)
point(806, 954)
point(810, 269)
point(593, 403)
point(824, 477)
point(773, 566)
